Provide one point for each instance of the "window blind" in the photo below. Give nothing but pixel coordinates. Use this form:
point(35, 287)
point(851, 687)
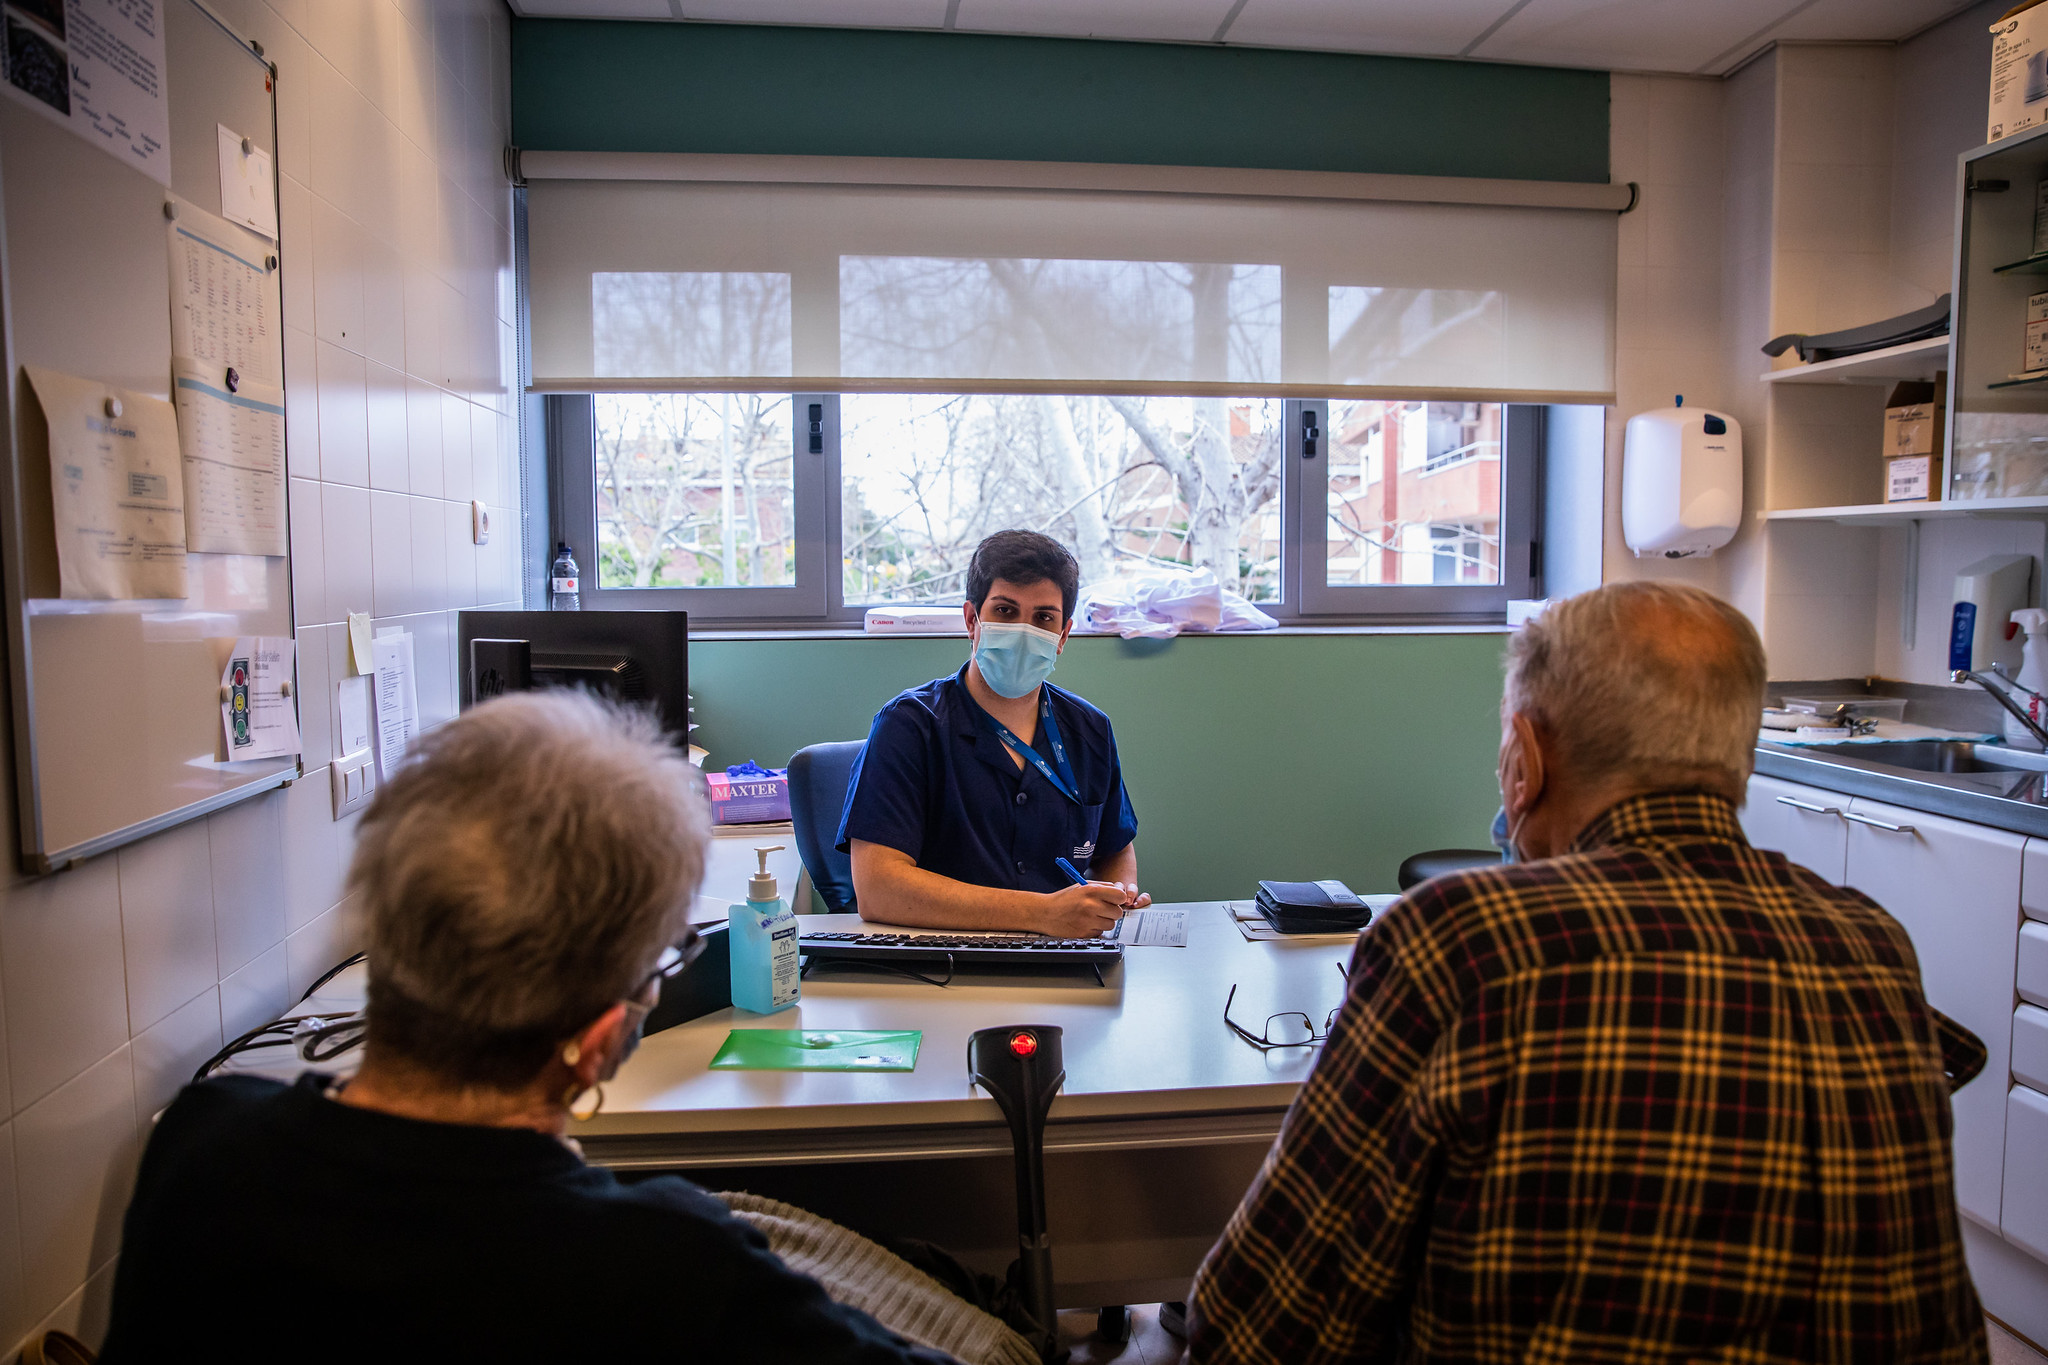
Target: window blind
point(646, 284)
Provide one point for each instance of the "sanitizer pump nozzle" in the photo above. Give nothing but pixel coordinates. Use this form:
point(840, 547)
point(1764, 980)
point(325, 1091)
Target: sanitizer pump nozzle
point(761, 886)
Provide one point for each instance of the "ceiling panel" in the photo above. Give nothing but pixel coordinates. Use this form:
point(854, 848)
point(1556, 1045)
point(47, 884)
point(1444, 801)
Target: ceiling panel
point(1878, 20)
point(831, 13)
point(1631, 35)
point(593, 9)
point(1439, 27)
point(1173, 21)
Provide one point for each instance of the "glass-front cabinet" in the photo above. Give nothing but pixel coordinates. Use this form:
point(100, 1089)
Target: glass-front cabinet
point(1998, 396)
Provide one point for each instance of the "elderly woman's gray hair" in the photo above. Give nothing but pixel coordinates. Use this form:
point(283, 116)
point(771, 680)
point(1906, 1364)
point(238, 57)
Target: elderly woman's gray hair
point(1657, 684)
point(522, 871)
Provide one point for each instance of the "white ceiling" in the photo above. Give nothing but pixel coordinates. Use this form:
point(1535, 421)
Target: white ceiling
point(1705, 37)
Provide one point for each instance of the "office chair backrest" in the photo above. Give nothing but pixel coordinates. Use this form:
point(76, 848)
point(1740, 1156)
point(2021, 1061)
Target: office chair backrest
point(818, 777)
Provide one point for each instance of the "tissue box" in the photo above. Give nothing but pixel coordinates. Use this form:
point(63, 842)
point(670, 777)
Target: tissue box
point(2019, 73)
point(751, 798)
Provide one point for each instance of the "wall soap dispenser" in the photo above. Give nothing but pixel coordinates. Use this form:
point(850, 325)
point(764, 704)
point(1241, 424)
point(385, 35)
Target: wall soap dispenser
point(764, 945)
point(1988, 592)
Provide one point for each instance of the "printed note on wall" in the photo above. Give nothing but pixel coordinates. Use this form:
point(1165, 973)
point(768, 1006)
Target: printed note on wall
point(117, 489)
point(232, 433)
point(97, 67)
point(223, 295)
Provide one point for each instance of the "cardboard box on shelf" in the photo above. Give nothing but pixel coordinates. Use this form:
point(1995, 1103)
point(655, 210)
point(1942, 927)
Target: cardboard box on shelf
point(1913, 417)
point(2019, 71)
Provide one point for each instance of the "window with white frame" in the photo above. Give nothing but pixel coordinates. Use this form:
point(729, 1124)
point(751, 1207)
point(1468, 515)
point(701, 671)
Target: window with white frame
point(781, 402)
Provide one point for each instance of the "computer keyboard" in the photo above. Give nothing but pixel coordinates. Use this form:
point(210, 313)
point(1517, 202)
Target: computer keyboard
point(962, 949)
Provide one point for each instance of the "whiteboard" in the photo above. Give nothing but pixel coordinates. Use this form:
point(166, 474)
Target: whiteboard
point(116, 704)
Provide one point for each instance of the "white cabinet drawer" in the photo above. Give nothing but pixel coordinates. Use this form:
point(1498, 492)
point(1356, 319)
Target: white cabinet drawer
point(2030, 1049)
point(2033, 964)
point(2024, 1219)
point(1805, 824)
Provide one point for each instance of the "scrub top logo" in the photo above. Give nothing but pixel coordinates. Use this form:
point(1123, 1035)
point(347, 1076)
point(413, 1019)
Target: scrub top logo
point(1086, 850)
point(238, 702)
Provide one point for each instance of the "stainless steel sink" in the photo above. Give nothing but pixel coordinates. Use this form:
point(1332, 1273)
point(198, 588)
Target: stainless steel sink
point(1939, 756)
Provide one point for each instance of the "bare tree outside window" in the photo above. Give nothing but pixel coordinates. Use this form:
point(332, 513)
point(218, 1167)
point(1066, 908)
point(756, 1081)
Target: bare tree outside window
point(694, 490)
point(1127, 482)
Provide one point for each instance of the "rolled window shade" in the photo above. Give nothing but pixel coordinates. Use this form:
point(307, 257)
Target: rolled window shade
point(651, 284)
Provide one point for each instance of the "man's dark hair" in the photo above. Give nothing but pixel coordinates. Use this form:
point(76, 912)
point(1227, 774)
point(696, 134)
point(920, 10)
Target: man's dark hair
point(1023, 558)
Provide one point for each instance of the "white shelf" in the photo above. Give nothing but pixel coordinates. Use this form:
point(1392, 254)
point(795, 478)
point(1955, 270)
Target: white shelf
point(1898, 513)
point(1914, 360)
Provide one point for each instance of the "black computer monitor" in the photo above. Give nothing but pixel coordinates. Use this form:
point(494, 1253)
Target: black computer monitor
point(636, 656)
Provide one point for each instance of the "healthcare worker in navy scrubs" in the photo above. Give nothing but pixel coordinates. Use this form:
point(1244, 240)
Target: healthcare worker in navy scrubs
point(973, 787)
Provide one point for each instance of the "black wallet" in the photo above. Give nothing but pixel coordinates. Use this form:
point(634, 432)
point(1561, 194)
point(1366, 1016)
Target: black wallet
point(1327, 907)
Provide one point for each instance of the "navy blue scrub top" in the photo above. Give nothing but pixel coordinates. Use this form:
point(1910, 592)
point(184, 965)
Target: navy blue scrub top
point(935, 782)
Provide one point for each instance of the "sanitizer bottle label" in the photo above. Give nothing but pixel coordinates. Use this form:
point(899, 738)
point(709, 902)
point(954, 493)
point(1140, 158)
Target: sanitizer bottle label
point(782, 966)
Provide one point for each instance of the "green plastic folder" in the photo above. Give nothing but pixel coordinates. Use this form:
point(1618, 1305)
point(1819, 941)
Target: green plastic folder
point(787, 1049)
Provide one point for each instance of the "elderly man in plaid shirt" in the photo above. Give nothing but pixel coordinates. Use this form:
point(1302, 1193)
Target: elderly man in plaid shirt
point(1650, 1094)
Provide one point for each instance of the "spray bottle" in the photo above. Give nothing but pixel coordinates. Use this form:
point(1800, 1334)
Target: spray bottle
point(2033, 679)
point(764, 948)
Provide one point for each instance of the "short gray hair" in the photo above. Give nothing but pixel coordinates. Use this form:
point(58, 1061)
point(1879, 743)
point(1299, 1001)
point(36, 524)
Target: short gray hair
point(1659, 684)
point(523, 870)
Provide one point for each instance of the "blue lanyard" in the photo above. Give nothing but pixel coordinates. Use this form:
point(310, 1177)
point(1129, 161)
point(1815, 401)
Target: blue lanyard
point(1063, 780)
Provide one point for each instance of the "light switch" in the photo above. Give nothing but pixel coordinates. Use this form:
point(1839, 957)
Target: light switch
point(354, 780)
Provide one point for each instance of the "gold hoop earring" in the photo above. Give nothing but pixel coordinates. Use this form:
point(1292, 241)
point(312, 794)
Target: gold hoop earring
point(572, 1053)
point(591, 1113)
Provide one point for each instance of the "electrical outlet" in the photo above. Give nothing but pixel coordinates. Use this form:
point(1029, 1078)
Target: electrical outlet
point(354, 780)
point(480, 522)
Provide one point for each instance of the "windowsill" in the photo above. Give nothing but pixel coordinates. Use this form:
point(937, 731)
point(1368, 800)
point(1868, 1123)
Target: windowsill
point(856, 633)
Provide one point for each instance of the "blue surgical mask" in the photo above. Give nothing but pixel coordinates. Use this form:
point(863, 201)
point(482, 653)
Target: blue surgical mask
point(1014, 658)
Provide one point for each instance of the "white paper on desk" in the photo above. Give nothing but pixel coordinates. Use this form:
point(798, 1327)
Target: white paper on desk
point(223, 295)
point(248, 195)
point(256, 717)
point(233, 446)
point(398, 707)
point(97, 67)
point(1154, 929)
point(117, 490)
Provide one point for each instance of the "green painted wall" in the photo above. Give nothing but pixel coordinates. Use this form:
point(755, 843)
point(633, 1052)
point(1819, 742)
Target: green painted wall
point(580, 85)
point(1290, 756)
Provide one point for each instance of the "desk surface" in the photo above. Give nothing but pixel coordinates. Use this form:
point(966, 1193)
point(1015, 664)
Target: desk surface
point(1149, 1048)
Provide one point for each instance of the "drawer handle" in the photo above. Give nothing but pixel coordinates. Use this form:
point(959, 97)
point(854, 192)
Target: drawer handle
point(1808, 806)
point(1876, 824)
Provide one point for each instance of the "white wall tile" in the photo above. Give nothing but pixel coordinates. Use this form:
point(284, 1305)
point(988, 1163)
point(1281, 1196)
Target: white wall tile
point(66, 995)
point(483, 453)
point(312, 869)
point(14, 1318)
point(462, 553)
point(344, 416)
point(423, 437)
point(429, 553)
point(316, 721)
point(168, 1053)
point(321, 944)
point(345, 533)
point(256, 994)
point(433, 657)
point(456, 436)
point(301, 404)
point(295, 217)
point(337, 276)
point(75, 1158)
point(389, 464)
point(309, 554)
point(85, 1311)
point(384, 303)
point(166, 921)
point(391, 553)
point(248, 879)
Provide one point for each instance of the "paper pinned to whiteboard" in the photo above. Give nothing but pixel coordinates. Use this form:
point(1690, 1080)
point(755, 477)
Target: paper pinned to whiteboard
point(257, 716)
point(97, 67)
point(117, 489)
point(231, 431)
point(248, 194)
point(223, 295)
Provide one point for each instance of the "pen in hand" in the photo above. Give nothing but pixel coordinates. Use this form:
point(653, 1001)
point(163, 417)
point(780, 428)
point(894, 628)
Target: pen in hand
point(1074, 876)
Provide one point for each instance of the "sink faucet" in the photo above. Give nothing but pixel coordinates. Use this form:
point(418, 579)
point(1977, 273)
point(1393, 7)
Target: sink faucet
point(2003, 698)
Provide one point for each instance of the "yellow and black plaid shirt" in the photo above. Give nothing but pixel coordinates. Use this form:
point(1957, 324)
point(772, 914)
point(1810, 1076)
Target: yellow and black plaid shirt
point(1667, 1097)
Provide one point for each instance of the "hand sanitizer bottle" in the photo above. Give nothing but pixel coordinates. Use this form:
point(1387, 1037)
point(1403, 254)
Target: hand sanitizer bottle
point(764, 956)
point(2033, 679)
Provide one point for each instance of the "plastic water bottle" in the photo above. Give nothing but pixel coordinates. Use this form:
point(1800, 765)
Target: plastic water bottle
point(564, 583)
